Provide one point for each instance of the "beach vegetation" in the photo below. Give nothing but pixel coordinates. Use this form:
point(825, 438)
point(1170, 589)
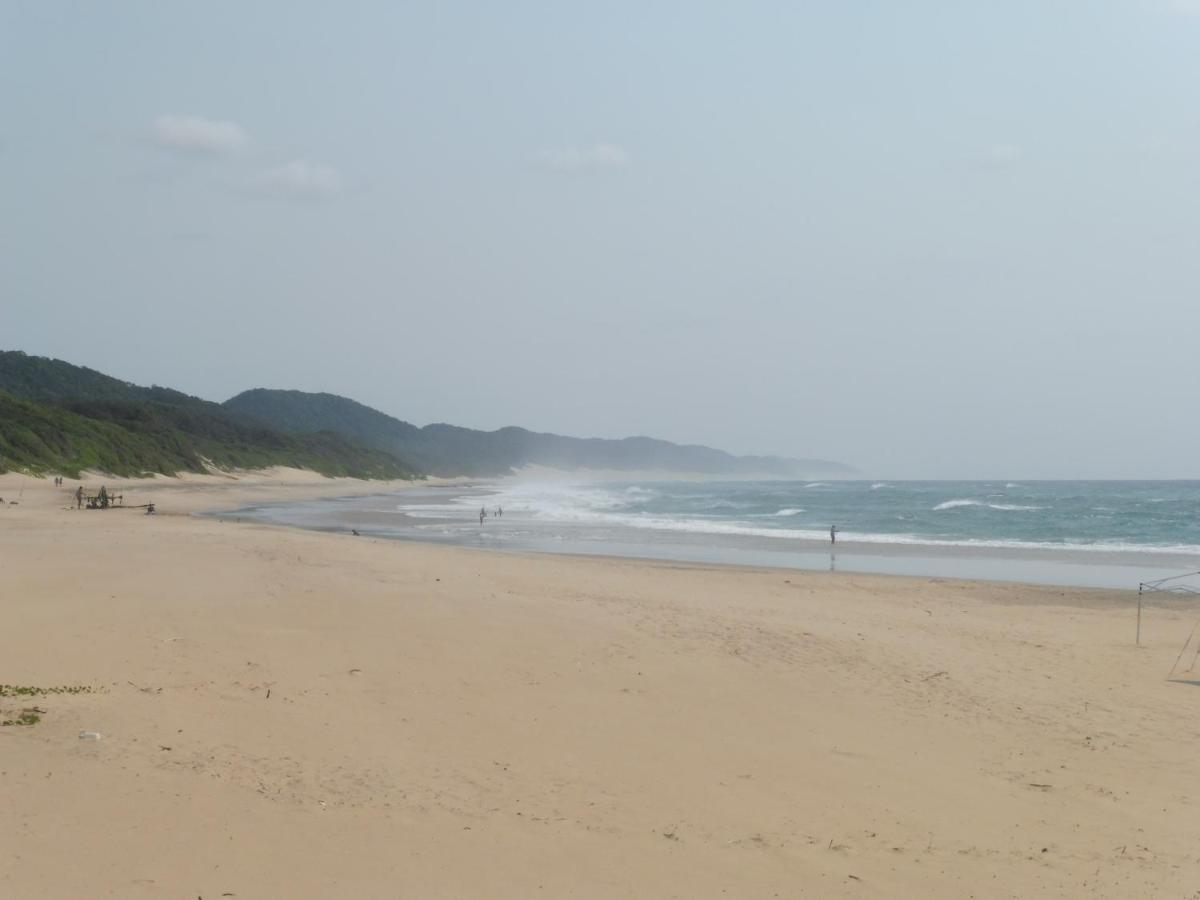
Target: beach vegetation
point(25, 717)
point(19, 690)
point(31, 715)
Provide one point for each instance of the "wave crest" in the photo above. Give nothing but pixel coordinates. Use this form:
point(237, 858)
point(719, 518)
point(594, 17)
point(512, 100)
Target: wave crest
point(954, 504)
point(1006, 507)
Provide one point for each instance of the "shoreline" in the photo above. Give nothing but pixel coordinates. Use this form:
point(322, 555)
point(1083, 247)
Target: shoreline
point(286, 712)
point(277, 487)
point(1067, 566)
point(1118, 571)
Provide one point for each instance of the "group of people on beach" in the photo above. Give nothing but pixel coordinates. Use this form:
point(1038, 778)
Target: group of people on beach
point(101, 499)
point(483, 513)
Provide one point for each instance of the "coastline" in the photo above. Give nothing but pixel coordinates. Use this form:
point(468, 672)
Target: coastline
point(1035, 564)
point(444, 723)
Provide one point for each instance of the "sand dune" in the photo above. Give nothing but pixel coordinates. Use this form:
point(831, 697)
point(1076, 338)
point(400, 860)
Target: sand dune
point(291, 714)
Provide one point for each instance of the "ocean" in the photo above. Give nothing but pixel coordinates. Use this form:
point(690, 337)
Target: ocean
point(1089, 533)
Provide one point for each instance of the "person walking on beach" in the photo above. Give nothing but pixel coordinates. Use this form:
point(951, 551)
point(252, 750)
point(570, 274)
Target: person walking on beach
point(79, 497)
point(482, 513)
point(499, 512)
point(832, 534)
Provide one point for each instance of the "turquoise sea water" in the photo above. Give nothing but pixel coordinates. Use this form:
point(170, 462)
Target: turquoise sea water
point(1069, 532)
point(1132, 515)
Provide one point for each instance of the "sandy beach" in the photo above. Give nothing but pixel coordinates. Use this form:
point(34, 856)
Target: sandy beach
point(304, 715)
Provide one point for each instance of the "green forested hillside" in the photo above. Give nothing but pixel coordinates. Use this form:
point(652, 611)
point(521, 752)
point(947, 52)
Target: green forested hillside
point(55, 417)
point(46, 380)
point(39, 438)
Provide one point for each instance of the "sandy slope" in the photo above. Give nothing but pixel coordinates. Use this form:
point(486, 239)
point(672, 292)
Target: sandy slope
point(288, 714)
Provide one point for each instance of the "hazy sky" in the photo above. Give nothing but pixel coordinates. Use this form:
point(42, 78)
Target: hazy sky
point(929, 239)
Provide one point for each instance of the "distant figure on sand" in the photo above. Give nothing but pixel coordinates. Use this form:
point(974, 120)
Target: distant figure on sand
point(499, 512)
point(482, 514)
point(832, 534)
point(79, 497)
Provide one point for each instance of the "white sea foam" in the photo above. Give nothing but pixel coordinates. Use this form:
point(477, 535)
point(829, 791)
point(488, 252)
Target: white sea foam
point(877, 485)
point(954, 504)
point(1008, 507)
point(552, 499)
point(710, 527)
point(816, 484)
point(791, 511)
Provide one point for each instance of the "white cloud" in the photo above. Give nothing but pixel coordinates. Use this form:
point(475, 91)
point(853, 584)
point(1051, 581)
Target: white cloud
point(193, 134)
point(573, 159)
point(1002, 156)
point(301, 179)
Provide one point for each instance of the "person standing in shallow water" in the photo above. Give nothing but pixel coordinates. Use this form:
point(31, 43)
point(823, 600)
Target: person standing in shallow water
point(482, 513)
point(832, 534)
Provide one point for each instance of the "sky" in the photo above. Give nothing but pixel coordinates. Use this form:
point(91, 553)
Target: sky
point(928, 239)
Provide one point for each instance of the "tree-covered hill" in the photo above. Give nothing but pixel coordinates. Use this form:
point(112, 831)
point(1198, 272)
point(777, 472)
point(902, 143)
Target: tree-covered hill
point(55, 417)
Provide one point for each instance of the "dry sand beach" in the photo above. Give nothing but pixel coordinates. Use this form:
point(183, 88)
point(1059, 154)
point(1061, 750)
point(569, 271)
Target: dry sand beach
point(304, 715)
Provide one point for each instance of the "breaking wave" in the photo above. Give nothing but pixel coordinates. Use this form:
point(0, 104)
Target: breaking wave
point(1008, 507)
